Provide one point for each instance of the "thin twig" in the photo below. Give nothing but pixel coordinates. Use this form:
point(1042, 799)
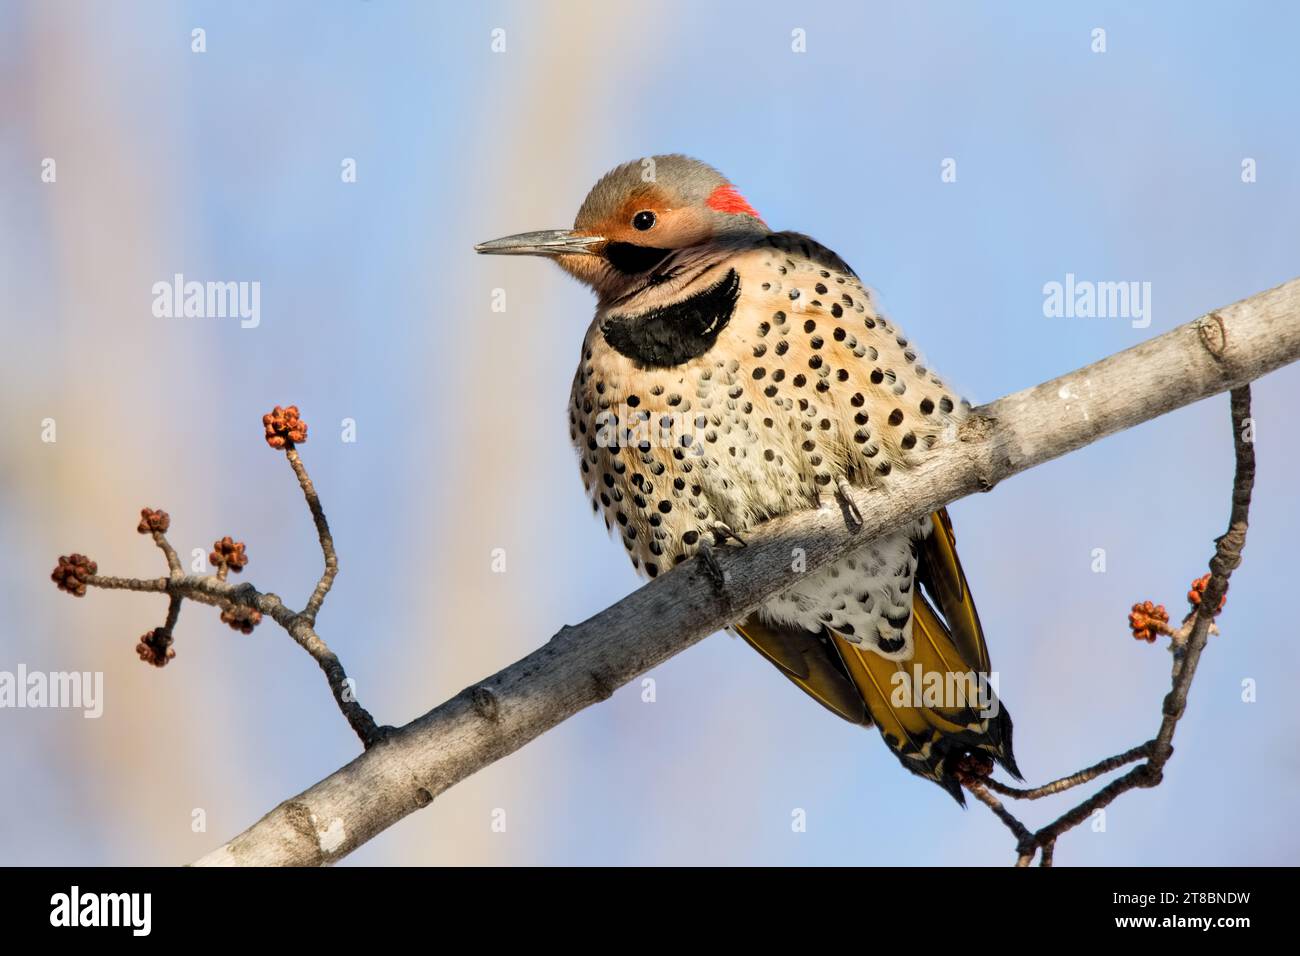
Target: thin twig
point(1075, 779)
point(1187, 643)
point(322, 532)
point(210, 589)
point(173, 612)
point(173, 561)
point(107, 582)
point(981, 793)
point(283, 428)
point(1227, 558)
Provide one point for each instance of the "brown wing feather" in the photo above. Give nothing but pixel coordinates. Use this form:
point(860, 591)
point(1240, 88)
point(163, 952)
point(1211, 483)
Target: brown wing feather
point(809, 662)
point(854, 682)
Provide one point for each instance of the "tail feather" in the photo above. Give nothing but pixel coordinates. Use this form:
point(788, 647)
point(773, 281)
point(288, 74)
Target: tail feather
point(957, 624)
point(940, 570)
point(935, 708)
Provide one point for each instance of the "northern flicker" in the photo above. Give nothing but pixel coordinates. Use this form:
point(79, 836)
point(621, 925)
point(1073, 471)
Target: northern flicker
point(732, 374)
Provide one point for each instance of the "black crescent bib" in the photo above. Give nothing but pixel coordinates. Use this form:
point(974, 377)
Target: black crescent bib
point(674, 334)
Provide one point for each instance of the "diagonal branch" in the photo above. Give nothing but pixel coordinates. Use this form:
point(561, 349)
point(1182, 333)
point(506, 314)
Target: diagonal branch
point(583, 665)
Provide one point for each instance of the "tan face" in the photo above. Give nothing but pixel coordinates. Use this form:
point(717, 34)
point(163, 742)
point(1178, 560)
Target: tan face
point(635, 232)
point(626, 226)
point(649, 217)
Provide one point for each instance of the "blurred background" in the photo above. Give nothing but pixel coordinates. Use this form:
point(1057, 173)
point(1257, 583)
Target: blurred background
point(227, 165)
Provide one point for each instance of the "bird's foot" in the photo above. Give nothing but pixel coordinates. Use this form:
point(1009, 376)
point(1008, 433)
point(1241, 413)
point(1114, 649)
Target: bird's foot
point(721, 533)
point(844, 491)
point(709, 562)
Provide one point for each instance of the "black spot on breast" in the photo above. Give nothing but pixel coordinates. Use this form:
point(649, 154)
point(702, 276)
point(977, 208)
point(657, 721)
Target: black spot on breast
point(675, 334)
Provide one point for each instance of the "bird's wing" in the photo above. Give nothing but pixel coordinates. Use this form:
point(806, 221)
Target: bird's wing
point(929, 708)
point(811, 662)
point(859, 685)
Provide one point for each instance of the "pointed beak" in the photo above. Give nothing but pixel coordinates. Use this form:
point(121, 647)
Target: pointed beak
point(548, 242)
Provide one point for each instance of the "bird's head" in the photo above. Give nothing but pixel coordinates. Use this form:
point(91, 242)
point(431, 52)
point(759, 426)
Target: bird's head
point(635, 218)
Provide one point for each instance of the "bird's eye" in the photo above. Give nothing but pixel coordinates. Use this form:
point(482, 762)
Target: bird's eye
point(643, 220)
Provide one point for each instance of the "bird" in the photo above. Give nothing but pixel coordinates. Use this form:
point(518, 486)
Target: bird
point(732, 374)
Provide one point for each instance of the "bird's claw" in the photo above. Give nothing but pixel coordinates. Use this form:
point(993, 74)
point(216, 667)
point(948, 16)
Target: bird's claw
point(844, 492)
point(722, 533)
point(709, 561)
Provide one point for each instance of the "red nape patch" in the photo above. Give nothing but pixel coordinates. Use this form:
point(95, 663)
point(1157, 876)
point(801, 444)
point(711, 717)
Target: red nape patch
point(726, 199)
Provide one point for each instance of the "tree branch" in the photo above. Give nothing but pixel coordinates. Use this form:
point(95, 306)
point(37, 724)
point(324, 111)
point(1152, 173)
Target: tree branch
point(583, 665)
